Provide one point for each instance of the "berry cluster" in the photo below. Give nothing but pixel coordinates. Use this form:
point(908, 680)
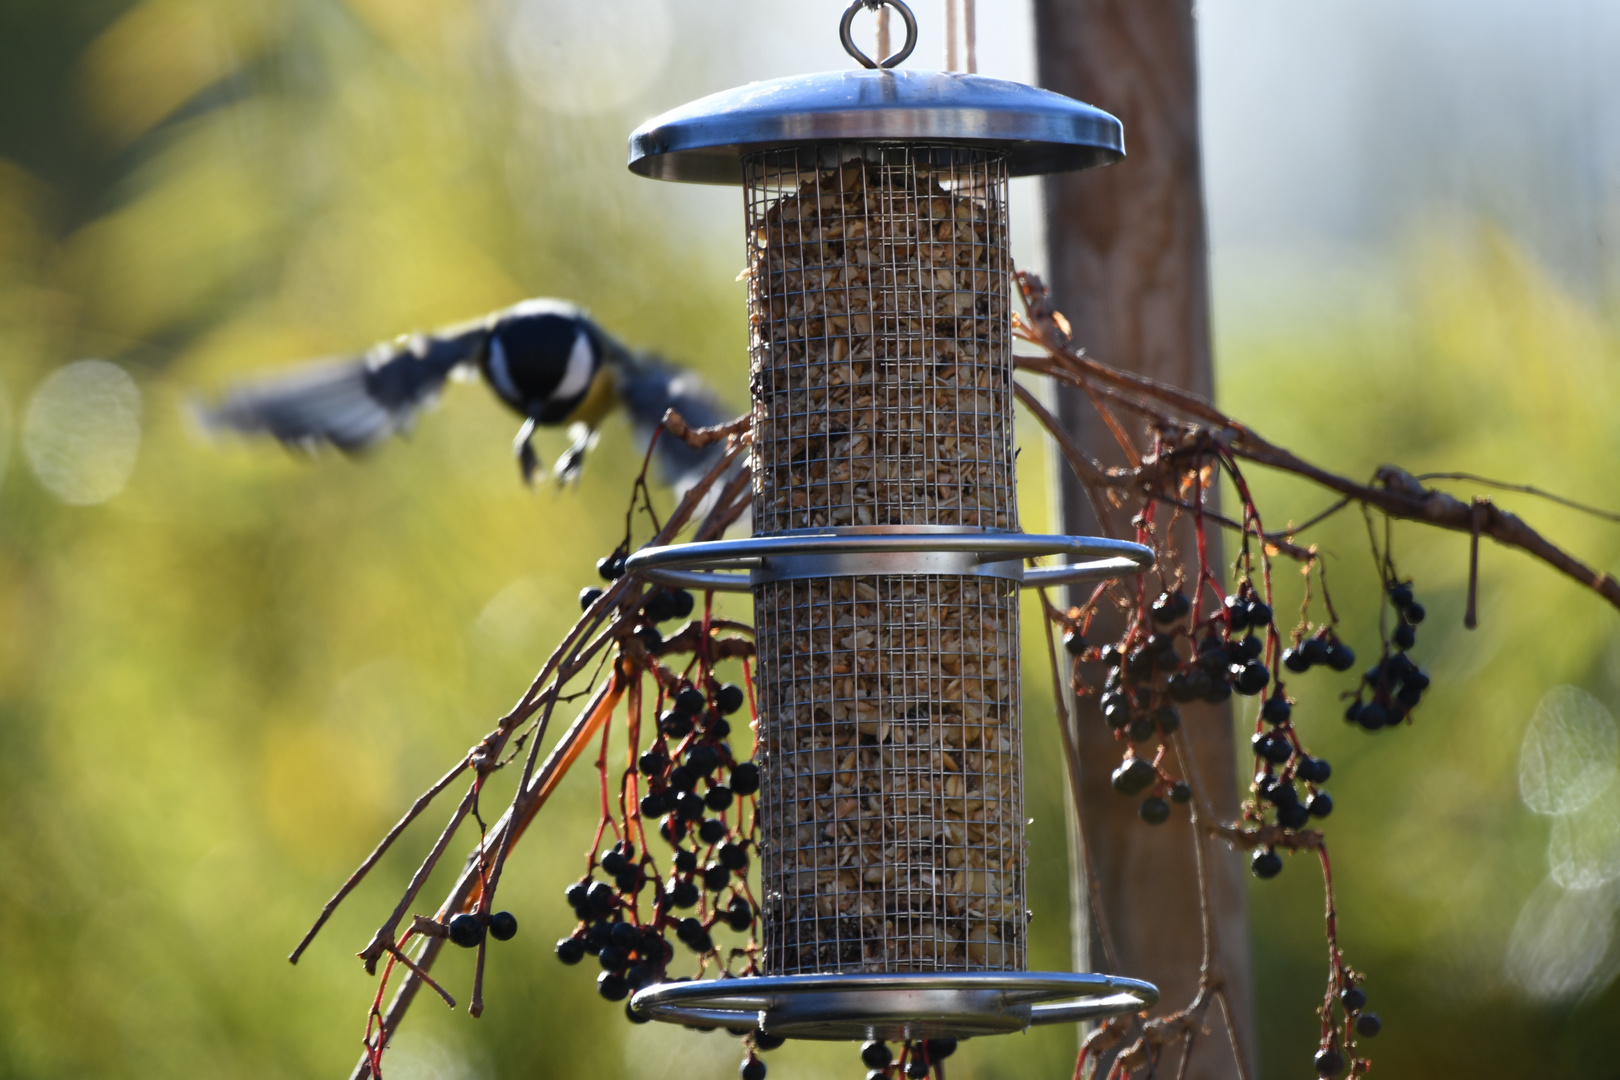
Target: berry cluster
point(1330, 1060)
point(695, 785)
point(916, 1059)
point(659, 606)
point(1395, 685)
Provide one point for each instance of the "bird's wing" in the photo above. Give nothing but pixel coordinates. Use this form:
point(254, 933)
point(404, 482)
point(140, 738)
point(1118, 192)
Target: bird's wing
point(648, 388)
point(348, 404)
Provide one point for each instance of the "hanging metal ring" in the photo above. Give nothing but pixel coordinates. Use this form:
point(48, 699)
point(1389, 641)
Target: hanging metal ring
point(873, 5)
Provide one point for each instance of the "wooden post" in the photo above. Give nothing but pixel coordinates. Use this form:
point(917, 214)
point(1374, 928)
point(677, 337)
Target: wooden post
point(1127, 258)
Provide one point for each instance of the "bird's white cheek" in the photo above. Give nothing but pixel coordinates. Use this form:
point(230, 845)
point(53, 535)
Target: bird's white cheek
point(581, 366)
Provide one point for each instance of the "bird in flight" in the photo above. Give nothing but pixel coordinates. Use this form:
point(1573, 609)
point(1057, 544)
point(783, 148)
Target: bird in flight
point(545, 359)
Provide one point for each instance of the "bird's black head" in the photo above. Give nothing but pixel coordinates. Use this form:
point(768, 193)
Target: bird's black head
point(541, 359)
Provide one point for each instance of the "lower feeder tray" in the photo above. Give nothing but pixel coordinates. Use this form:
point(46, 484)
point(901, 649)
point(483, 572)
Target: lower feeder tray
point(893, 1007)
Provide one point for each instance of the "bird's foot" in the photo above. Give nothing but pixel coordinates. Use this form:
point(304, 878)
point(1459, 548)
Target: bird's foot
point(523, 447)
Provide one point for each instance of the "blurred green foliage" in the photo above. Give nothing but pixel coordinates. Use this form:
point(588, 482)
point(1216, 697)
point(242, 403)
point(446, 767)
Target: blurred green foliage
point(220, 687)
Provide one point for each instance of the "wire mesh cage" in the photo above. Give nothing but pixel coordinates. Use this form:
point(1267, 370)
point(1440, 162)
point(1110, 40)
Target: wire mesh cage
point(892, 821)
point(880, 336)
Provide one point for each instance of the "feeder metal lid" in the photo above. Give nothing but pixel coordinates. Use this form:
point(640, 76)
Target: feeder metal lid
point(1041, 132)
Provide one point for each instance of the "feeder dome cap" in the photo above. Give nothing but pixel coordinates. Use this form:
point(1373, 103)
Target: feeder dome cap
point(1041, 132)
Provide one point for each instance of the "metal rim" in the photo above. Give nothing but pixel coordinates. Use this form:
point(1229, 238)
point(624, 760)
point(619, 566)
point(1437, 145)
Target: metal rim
point(850, 553)
point(893, 60)
point(839, 1006)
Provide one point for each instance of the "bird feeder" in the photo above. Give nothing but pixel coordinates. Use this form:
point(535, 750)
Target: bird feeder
point(886, 560)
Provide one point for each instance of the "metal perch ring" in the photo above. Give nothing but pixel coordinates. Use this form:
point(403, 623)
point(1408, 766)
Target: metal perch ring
point(894, 1007)
point(886, 550)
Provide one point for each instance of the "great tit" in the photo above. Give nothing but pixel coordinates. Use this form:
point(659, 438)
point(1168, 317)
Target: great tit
point(546, 359)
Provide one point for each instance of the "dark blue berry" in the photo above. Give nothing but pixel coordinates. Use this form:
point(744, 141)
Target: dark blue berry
point(717, 798)
point(703, 759)
point(1353, 998)
point(745, 778)
point(624, 936)
point(683, 603)
point(1320, 804)
point(587, 597)
point(682, 894)
point(1180, 792)
point(659, 607)
point(1272, 747)
point(677, 725)
point(656, 804)
point(1293, 816)
point(652, 763)
point(1404, 636)
point(1340, 657)
point(503, 926)
point(734, 856)
point(1294, 660)
point(611, 567)
point(689, 807)
point(683, 778)
point(685, 862)
point(940, 1049)
point(1315, 650)
point(1259, 613)
point(1368, 1024)
point(570, 950)
point(600, 897)
point(1154, 810)
point(1314, 770)
point(1276, 710)
point(1265, 863)
point(578, 899)
point(1140, 730)
point(1414, 612)
point(740, 915)
point(1074, 642)
point(1400, 595)
point(651, 638)
point(611, 986)
point(876, 1055)
point(762, 1041)
point(752, 1069)
point(690, 701)
point(1329, 1062)
point(1251, 678)
point(716, 877)
point(1237, 613)
point(611, 957)
point(1352, 712)
point(613, 862)
point(1133, 776)
point(1247, 649)
point(1409, 695)
point(1373, 716)
point(1168, 717)
point(730, 699)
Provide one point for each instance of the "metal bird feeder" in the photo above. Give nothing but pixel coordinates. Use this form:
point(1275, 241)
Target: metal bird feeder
point(886, 561)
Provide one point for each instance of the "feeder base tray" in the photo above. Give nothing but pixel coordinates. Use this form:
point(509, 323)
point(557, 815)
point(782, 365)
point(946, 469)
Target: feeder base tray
point(893, 1007)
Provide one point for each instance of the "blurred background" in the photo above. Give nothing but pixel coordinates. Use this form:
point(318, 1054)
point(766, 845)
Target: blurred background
point(224, 671)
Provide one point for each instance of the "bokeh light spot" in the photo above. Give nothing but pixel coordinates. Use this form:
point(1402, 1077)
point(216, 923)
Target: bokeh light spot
point(82, 432)
point(580, 59)
point(1584, 851)
point(1560, 949)
point(1569, 753)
